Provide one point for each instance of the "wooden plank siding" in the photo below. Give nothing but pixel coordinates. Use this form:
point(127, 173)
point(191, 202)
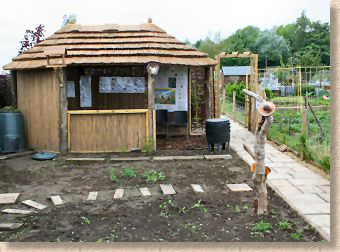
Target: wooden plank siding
point(38, 101)
point(107, 131)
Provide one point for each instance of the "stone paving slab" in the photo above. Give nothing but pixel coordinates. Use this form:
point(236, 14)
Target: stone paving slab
point(310, 189)
point(9, 226)
point(145, 191)
point(92, 196)
point(166, 158)
point(211, 157)
point(17, 211)
point(34, 204)
point(306, 197)
point(271, 176)
point(325, 196)
point(130, 159)
point(321, 220)
point(310, 207)
point(87, 159)
point(167, 189)
point(239, 187)
point(118, 194)
point(197, 188)
point(307, 181)
point(57, 201)
point(325, 188)
point(8, 198)
point(324, 232)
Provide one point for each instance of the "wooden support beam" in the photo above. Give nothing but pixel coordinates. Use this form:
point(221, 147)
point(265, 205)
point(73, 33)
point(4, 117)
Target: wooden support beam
point(63, 119)
point(189, 99)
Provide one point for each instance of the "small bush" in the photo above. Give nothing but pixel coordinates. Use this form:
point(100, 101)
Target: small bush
point(129, 173)
point(304, 88)
point(113, 178)
point(153, 176)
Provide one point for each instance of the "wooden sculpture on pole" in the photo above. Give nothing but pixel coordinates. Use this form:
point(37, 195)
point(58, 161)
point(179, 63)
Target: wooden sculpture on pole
point(265, 109)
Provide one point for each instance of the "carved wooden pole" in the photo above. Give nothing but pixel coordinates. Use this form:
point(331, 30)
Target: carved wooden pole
point(152, 70)
point(266, 109)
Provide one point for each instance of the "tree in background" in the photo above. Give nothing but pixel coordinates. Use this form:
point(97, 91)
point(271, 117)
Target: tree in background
point(211, 46)
point(272, 46)
point(67, 18)
point(31, 38)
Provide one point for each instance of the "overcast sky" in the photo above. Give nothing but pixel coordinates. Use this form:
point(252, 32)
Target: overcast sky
point(183, 19)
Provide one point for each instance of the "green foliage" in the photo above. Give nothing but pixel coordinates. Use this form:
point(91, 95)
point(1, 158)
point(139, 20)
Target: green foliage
point(304, 88)
point(113, 178)
point(237, 209)
point(195, 102)
point(86, 220)
point(284, 225)
point(9, 109)
point(261, 228)
point(149, 145)
point(129, 173)
point(165, 208)
point(198, 204)
point(296, 235)
point(153, 176)
point(236, 86)
point(269, 93)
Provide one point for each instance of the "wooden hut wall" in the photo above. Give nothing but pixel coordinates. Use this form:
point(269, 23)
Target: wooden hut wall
point(38, 101)
point(105, 101)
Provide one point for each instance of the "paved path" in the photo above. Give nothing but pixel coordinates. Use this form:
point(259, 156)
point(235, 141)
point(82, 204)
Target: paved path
point(305, 191)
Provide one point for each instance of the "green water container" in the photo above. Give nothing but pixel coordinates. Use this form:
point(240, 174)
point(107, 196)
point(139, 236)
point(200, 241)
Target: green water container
point(12, 132)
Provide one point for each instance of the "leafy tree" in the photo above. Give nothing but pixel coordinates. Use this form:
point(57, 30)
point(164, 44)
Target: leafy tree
point(67, 18)
point(211, 46)
point(198, 43)
point(31, 38)
point(272, 46)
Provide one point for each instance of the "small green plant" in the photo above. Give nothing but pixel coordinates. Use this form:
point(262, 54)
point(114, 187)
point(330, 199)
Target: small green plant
point(198, 204)
point(58, 239)
point(123, 150)
point(183, 210)
point(113, 178)
point(129, 173)
point(153, 176)
point(237, 209)
point(9, 109)
point(149, 145)
point(229, 206)
point(260, 229)
point(165, 208)
point(296, 235)
point(245, 207)
point(86, 219)
point(100, 240)
point(284, 225)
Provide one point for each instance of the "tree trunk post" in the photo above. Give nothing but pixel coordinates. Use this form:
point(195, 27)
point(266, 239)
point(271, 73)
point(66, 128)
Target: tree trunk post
point(234, 105)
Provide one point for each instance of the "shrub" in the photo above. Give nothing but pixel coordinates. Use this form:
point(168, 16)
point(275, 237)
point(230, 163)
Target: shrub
point(230, 88)
point(153, 176)
point(304, 88)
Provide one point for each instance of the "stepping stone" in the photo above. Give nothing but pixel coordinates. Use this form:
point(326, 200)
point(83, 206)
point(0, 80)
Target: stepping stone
point(85, 159)
point(57, 200)
point(92, 196)
point(9, 226)
point(34, 204)
point(197, 188)
point(118, 194)
point(239, 187)
point(8, 198)
point(145, 191)
point(211, 157)
point(167, 189)
point(17, 211)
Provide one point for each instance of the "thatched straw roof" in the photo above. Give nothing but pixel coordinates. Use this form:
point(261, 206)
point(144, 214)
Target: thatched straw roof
point(109, 44)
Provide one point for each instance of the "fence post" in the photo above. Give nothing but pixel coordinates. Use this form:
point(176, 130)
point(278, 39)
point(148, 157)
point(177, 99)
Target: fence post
point(234, 105)
point(290, 126)
point(223, 100)
point(280, 123)
point(246, 105)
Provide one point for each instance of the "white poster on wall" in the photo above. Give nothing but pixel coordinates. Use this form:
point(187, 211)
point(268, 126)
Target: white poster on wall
point(122, 85)
point(171, 88)
point(70, 90)
point(85, 91)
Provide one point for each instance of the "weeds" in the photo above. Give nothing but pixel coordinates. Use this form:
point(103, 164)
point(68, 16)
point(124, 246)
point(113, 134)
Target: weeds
point(149, 145)
point(260, 229)
point(129, 173)
point(113, 178)
point(86, 220)
point(153, 176)
point(296, 235)
point(198, 204)
point(284, 225)
point(165, 208)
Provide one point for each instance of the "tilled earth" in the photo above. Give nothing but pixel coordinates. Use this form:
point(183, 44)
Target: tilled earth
point(216, 215)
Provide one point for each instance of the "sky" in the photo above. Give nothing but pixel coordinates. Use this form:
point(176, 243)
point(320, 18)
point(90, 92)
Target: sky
point(183, 19)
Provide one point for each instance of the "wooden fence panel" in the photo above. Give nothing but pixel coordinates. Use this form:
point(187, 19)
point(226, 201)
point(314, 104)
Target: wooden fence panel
point(107, 131)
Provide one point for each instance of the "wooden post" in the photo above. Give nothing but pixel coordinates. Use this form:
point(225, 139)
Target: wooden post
point(152, 69)
point(13, 89)
point(246, 105)
point(63, 120)
point(304, 113)
point(212, 107)
point(300, 90)
point(290, 126)
point(217, 88)
point(189, 99)
point(307, 114)
point(223, 100)
point(280, 123)
point(154, 127)
point(317, 120)
point(208, 96)
point(234, 105)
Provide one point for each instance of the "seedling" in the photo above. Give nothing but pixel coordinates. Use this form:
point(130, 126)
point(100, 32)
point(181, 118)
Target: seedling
point(284, 225)
point(183, 210)
point(165, 208)
point(86, 219)
point(148, 145)
point(237, 209)
point(198, 204)
point(296, 235)
point(229, 206)
point(153, 176)
point(245, 207)
point(260, 229)
point(113, 178)
point(129, 173)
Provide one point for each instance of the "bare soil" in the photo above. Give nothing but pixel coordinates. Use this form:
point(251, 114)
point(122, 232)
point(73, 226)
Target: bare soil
point(216, 215)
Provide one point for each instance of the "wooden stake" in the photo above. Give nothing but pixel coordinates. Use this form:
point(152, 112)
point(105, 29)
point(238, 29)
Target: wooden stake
point(246, 105)
point(317, 120)
point(223, 100)
point(290, 126)
point(234, 105)
point(280, 123)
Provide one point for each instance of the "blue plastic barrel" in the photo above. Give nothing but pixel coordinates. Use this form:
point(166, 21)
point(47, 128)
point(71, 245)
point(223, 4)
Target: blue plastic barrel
point(12, 132)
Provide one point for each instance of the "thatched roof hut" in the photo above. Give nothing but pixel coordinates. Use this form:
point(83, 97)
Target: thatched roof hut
point(86, 88)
